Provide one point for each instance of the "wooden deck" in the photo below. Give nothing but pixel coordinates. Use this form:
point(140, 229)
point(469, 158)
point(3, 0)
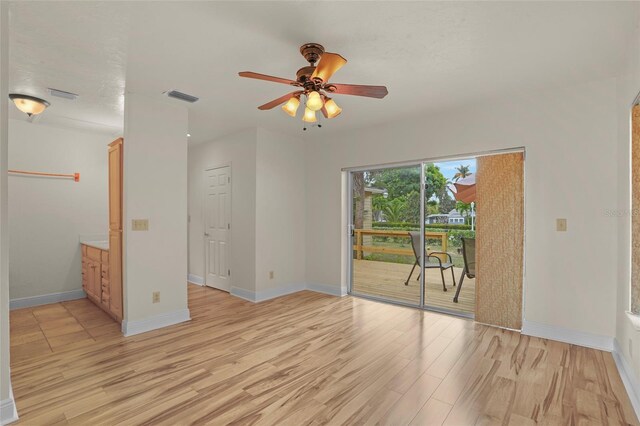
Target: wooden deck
point(386, 279)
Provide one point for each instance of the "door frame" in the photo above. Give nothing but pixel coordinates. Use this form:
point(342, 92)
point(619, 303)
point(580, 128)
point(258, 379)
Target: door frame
point(347, 249)
point(204, 211)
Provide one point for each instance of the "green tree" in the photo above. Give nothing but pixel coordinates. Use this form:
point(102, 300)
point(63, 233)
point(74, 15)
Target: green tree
point(435, 181)
point(397, 182)
point(394, 210)
point(462, 172)
point(433, 207)
point(446, 201)
point(463, 208)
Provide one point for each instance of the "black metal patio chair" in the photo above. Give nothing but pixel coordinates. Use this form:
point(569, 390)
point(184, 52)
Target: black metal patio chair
point(431, 260)
point(469, 256)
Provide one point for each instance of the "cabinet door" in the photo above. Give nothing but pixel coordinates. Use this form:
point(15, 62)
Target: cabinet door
point(115, 273)
point(97, 281)
point(91, 278)
point(115, 185)
point(85, 274)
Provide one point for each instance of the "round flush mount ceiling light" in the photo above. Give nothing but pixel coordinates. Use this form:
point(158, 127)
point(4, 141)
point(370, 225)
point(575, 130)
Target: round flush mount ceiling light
point(30, 105)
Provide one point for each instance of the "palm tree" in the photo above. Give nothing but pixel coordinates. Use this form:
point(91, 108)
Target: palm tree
point(393, 211)
point(463, 172)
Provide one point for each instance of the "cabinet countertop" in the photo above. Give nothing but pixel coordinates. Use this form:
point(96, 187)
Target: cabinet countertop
point(102, 245)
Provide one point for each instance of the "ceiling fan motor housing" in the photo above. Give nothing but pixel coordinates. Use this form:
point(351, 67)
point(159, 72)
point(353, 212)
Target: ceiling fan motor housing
point(304, 73)
point(312, 52)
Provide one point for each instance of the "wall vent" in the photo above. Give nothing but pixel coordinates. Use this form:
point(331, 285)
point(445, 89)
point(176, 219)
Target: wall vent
point(182, 96)
point(62, 94)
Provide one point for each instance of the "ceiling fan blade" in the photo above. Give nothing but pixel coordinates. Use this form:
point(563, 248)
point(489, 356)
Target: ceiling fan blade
point(282, 99)
point(249, 74)
point(357, 90)
point(329, 64)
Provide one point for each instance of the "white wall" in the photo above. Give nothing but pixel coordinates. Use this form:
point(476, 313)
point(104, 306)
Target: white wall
point(155, 182)
point(569, 138)
point(267, 210)
point(48, 215)
point(280, 211)
point(238, 150)
point(7, 405)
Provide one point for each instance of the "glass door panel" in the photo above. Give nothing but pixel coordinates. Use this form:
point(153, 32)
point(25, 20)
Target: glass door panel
point(448, 220)
point(386, 208)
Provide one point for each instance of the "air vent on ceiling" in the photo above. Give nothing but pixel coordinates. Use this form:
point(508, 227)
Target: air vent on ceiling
point(182, 96)
point(62, 94)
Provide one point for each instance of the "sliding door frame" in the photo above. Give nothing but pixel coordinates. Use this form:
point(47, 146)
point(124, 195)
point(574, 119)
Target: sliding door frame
point(422, 163)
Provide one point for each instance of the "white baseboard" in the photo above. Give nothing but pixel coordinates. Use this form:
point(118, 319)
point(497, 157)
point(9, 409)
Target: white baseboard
point(8, 411)
point(129, 328)
point(45, 299)
point(261, 296)
point(628, 376)
point(249, 295)
point(327, 289)
point(574, 337)
point(195, 279)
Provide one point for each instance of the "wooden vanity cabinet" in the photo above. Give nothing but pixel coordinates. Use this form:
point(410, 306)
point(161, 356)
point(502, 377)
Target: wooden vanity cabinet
point(95, 279)
point(102, 269)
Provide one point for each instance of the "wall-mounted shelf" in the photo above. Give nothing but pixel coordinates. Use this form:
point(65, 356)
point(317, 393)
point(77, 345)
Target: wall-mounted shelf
point(74, 176)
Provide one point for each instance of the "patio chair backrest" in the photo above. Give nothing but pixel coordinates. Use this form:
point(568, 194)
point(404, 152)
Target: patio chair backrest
point(415, 244)
point(469, 255)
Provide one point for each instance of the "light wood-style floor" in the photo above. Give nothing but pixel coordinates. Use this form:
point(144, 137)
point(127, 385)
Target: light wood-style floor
point(386, 280)
point(306, 358)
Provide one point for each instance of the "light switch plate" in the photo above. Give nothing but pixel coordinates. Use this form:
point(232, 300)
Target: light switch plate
point(140, 224)
point(561, 225)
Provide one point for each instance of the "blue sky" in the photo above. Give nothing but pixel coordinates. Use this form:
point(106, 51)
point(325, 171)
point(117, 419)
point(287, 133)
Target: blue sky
point(448, 168)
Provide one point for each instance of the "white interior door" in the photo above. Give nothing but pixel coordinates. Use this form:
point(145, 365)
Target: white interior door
point(217, 221)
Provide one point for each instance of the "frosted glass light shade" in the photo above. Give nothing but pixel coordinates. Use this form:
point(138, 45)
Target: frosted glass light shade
point(30, 105)
point(309, 116)
point(314, 101)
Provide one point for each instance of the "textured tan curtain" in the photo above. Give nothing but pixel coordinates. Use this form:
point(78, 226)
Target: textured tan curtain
point(499, 239)
point(635, 206)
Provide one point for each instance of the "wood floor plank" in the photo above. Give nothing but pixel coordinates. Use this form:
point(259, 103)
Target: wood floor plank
point(305, 358)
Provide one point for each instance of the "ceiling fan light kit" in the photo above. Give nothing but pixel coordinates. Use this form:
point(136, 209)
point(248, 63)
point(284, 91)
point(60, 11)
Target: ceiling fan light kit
point(313, 82)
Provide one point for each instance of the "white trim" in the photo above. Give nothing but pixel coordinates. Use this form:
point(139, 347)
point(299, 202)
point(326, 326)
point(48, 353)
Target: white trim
point(631, 383)
point(249, 295)
point(45, 299)
point(195, 279)
point(634, 320)
point(327, 289)
point(261, 296)
point(566, 335)
point(8, 410)
point(129, 328)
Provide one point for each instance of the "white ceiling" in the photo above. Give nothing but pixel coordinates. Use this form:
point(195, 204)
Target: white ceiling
point(430, 55)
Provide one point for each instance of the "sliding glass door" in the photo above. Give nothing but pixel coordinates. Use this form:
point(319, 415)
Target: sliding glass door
point(407, 231)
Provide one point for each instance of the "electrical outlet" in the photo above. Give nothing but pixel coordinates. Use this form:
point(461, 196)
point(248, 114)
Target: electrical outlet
point(561, 225)
point(271, 274)
point(140, 224)
point(156, 297)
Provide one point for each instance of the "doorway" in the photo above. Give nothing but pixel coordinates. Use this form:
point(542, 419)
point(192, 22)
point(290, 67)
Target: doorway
point(428, 213)
point(217, 227)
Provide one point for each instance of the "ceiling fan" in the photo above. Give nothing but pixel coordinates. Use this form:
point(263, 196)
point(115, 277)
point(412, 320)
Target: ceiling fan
point(313, 83)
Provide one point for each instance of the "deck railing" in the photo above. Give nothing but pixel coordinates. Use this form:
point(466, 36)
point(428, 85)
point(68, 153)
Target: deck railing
point(359, 248)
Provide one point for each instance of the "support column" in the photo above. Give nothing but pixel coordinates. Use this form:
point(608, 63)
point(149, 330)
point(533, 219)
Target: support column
point(155, 189)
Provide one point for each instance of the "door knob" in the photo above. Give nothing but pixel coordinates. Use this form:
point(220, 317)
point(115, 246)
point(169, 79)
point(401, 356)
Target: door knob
point(206, 234)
